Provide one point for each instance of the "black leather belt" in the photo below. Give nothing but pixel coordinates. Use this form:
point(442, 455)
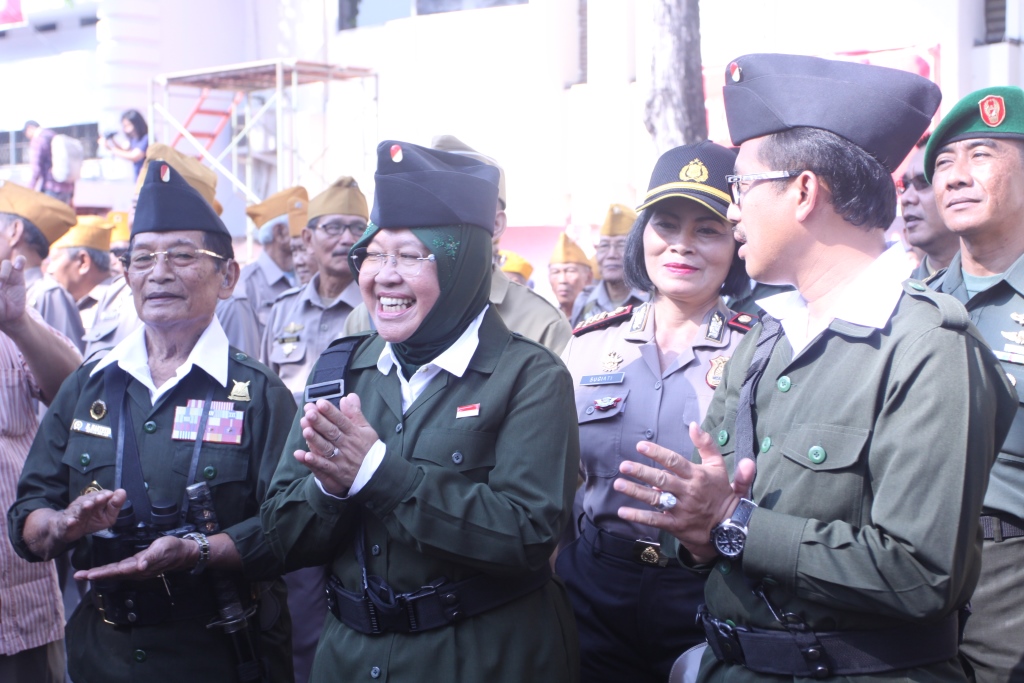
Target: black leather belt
point(435, 605)
point(839, 653)
point(998, 530)
point(149, 606)
point(644, 552)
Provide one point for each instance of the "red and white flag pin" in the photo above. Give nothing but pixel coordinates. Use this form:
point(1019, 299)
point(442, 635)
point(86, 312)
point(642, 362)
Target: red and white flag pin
point(165, 173)
point(471, 410)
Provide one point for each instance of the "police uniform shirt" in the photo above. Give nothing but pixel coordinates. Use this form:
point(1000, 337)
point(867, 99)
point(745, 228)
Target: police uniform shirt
point(263, 281)
point(594, 299)
point(239, 321)
point(300, 327)
point(53, 302)
point(89, 304)
point(623, 397)
point(998, 313)
point(851, 421)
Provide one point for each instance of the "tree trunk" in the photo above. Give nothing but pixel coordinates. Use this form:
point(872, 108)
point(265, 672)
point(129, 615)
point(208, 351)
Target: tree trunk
point(675, 112)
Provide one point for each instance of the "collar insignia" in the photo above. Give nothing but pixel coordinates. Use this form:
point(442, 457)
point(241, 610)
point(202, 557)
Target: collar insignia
point(240, 392)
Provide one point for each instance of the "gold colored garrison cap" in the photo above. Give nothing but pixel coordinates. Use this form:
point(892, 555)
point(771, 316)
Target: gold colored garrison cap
point(122, 228)
point(292, 203)
point(511, 262)
point(90, 231)
point(202, 179)
point(450, 143)
point(618, 221)
point(342, 197)
point(567, 251)
point(52, 216)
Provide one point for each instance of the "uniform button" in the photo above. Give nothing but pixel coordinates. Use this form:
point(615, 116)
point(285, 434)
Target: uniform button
point(398, 428)
point(724, 566)
point(450, 598)
point(139, 655)
point(649, 433)
point(723, 437)
point(817, 455)
point(84, 459)
point(132, 617)
point(784, 384)
point(766, 443)
point(129, 604)
point(918, 286)
point(240, 356)
point(457, 458)
point(150, 427)
point(657, 385)
point(589, 410)
point(210, 472)
point(375, 672)
point(375, 550)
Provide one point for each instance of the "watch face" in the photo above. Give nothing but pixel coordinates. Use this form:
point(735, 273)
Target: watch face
point(730, 540)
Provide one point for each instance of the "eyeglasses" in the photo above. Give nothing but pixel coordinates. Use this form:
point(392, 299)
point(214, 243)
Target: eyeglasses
point(619, 246)
point(335, 228)
point(918, 182)
point(739, 184)
point(372, 262)
point(179, 259)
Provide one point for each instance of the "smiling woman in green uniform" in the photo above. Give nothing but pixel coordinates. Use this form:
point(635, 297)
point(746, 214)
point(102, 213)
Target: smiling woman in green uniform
point(437, 489)
point(642, 374)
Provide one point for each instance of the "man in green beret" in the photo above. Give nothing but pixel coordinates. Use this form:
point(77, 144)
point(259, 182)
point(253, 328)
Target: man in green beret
point(975, 162)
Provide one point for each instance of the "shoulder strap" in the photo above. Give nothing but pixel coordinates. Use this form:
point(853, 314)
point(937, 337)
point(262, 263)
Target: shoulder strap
point(128, 469)
point(328, 377)
point(954, 315)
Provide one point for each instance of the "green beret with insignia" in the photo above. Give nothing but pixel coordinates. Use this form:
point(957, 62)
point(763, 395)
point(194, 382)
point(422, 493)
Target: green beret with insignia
point(996, 112)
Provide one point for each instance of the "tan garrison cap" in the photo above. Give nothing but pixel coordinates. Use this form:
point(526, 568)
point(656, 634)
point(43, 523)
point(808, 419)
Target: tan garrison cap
point(291, 204)
point(619, 220)
point(450, 143)
point(90, 231)
point(202, 179)
point(567, 251)
point(511, 262)
point(52, 216)
point(122, 228)
point(342, 197)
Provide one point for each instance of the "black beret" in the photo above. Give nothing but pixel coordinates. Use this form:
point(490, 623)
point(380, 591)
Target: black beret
point(168, 203)
point(883, 111)
point(418, 187)
point(696, 172)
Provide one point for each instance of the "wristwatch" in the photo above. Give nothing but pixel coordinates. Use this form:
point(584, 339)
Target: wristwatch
point(204, 551)
point(730, 536)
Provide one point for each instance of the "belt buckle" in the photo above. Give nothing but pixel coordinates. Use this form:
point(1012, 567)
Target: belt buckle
point(728, 641)
point(101, 608)
point(649, 553)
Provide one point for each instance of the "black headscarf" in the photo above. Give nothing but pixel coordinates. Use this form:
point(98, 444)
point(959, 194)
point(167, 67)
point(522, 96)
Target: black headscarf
point(463, 259)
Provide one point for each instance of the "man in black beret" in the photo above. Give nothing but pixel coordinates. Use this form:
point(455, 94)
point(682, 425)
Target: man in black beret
point(169, 406)
point(852, 550)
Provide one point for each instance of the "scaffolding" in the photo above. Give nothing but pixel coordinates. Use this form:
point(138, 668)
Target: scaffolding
point(280, 77)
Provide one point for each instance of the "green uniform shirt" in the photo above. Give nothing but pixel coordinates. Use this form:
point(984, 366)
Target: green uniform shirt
point(874, 452)
point(453, 497)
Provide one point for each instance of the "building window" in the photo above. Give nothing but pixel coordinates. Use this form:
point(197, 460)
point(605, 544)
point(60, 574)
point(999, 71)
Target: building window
point(995, 21)
point(438, 6)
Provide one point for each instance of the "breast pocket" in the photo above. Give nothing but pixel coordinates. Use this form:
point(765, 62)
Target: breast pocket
point(89, 459)
point(469, 452)
point(812, 450)
point(601, 416)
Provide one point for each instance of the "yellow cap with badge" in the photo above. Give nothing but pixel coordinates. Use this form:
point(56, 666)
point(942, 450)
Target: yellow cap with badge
point(291, 204)
point(342, 197)
point(122, 228)
point(618, 221)
point(567, 251)
point(52, 216)
point(90, 231)
point(202, 179)
point(511, 262)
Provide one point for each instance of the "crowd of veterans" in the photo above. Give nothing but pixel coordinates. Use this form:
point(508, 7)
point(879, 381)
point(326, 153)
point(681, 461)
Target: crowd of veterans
point(765, 431)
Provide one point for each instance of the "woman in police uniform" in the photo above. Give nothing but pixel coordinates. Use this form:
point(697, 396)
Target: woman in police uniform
point(438, 490)
point(643, 374)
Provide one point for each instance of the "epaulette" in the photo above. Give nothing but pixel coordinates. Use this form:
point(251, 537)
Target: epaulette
point(954, 315)
point(603, 319)
point(743, 322)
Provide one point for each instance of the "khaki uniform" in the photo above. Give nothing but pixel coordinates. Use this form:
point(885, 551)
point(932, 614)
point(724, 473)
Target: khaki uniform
point(496, 507)
point(521, 309)
point(263, 282)
point(300, 327)
point(870, 474)
point(594, 299)
point(53, 302)
point(998, 313)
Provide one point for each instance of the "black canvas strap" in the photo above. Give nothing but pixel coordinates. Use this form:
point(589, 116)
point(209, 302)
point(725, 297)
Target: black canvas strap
point(194, 465)
point(771, 332)
point(128, 470)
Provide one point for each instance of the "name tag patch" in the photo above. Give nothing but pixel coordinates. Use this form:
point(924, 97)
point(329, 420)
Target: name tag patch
point(607, 378)
point(224, 424)
point(91, 428)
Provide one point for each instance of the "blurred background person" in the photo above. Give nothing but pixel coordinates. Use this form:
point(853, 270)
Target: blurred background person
point(41, 161)
point(137, 133)
point(515, 267)
point(569, 272)
point(119, 236)
point(302, 259)
point(645, 375)
point(80, 263)
point(923, 225)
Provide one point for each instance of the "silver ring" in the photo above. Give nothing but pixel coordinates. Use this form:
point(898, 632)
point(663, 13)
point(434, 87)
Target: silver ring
point(336, 451)
point(666, 501)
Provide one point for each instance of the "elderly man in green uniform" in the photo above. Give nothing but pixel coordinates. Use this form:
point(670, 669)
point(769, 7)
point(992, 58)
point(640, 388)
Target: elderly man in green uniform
point(851, 553)
point(975, 162)
point(304, 320)
point(280, 216)
point(170, 406)
point(521, 309)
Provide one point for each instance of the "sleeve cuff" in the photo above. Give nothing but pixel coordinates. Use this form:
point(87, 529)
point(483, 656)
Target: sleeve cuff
point(773, 546)
point(324, 504)
point(371, 461)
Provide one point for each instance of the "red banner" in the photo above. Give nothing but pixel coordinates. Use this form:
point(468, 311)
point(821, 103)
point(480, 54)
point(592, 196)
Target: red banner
point(11, 15)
